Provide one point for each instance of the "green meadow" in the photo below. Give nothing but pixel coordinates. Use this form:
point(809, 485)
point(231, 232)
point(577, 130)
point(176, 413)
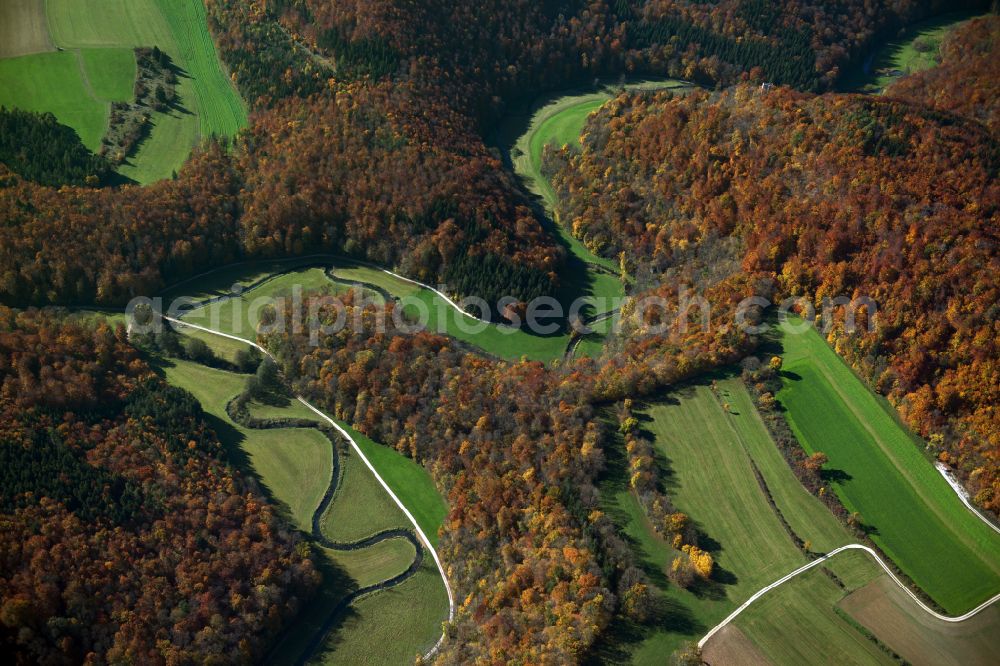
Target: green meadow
point(878, 471)
point(240, 315)
point(699, 453)
point(917, 49)
point(708, 455)
point(560, 122)
point(52, 82)
point(293, 466)
point(505, 342)
point(393, 626)
point(96, 66)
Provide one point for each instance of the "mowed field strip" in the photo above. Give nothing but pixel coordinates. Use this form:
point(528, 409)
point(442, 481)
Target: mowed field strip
point(709, 456)
point(917, 518)
point(23, 29)
point(78, 83)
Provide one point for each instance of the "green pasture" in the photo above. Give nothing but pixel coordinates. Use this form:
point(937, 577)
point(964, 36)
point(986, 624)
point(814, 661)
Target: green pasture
point(110, 72)
point(424, 304)
point(293, 466)
point(878, 471)
point(222, 281)
point(708, 475)
point(179, 27)
point(806, 515)
point(375, 563)
point(240, 315)
point(560, 122)
point(393, 626)
point(797, 623)
point(707, 460)
point(52, 82)
point(112, 317)
point(708, 455)
point(411, 483)
point(96, 67)
point(359, 489)
point(917, 49)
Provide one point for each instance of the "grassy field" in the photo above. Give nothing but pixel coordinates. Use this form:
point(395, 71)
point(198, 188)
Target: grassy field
point(917, 49)
point(224, 348)
point(110, 316)
point(357, 489)
point(220, 109)
point(806, 515)
point(240, 316)
point(52, 82)
point(560, 121)
point(78, 83)
point(797, 623)
point(375, 563)
point(705, 451)
point(393, 626)
point(220, 282)
point(209, 102)
point(292, 409)
point(507, 343)
point(702, 454)
point(916, 517)
point(293, 465)
point(409, 481)
point(110, 73)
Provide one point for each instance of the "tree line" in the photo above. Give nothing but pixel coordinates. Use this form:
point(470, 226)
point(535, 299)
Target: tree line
point(41, 149)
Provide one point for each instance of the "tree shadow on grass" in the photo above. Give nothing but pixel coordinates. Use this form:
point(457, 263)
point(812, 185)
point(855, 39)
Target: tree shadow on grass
point(273, 397)
point(834, 475)
point(668, 615)
point(322, 619)
point(179, 73)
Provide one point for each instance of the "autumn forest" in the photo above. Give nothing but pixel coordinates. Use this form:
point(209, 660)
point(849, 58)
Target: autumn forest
point(132, 532)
